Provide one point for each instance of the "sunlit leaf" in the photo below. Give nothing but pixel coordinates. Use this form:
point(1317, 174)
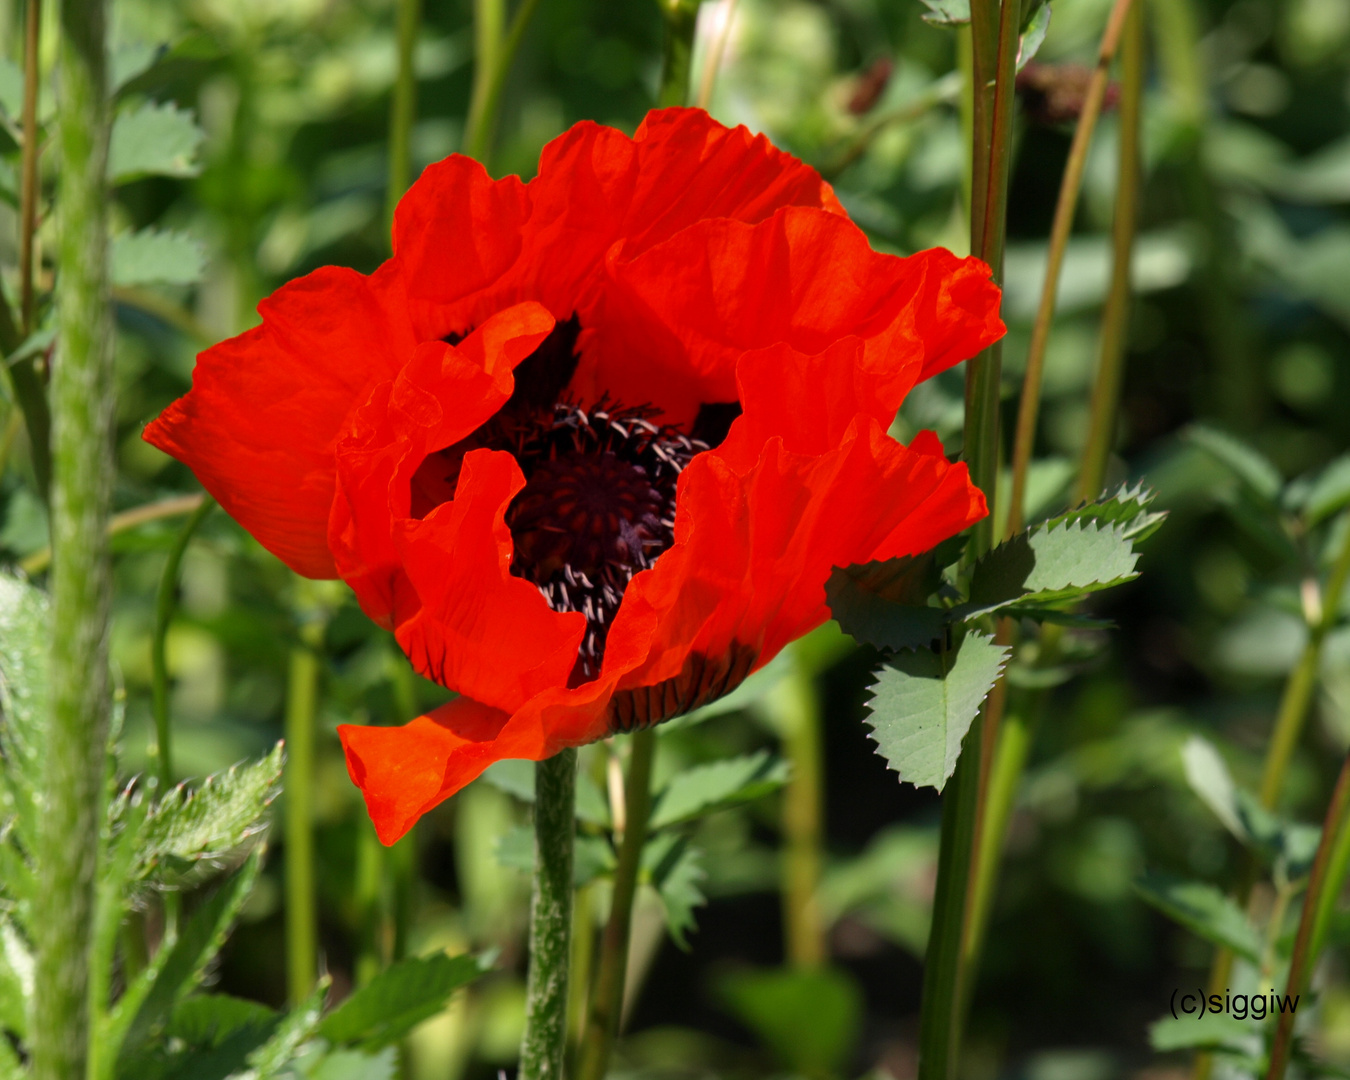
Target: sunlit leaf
point(1204, 910)
point(946, 12)
point(1209, 778)
point(153, 140)
point(516, 777)
point(694, 792)
point(398, 999)
point(150, 256)
point(675, 867)
point(1033, 35)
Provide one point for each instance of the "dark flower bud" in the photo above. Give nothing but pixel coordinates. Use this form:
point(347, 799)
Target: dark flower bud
point(871, 85)
point(1055, 93)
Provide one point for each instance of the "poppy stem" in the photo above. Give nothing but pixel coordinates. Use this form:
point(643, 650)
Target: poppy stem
point(74, 783)
point(302, 950)
point(544, 1045)
point(403, 106)
point(602, 1024)
point(1071, 184)
point(796, 706)
point(677, 60)
point(1303, 958)
point(495, 54)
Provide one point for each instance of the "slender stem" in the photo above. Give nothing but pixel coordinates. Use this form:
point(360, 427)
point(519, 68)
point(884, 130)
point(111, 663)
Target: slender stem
point(28, 195)
point(1303, 958)
point(803, 810)
point(75, 772)
point(403, 107)
point(544, 1045)
point(165, 602)
point(678, 55)
point(602, 1025)
point(713, 61)
point(1069, 187)
point(127, 519)
point(371, 923)
point(1337, 866)
point(494, 64)
point(301, 916)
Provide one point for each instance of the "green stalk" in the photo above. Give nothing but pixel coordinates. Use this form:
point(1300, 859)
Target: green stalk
point(402, 107)
point(602, 1024)
point(1303, 958)
point(1337, 866)
point(494, 64)
point(803, 810)
point(544, 1045)
point(75, 776)
point(1070, 185)
point(1116, 314)
point(165, 602)
point(302, 949)
point(677, 57)
point(371, 924)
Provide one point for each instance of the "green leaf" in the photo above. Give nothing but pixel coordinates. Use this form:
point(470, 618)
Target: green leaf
point(675, 868)
point(1213, 1031)
point(946, 12)
point(151, 256)
point(592, 856)
point(1204, 910)
point(16, 978)
point(354, 1065)
point(178, 968)
point(11, 89)
point(217, 1033)
point(885, 603)
point(923, 702)
point(188, 827)
point(1253, 469)
point(153, 140)
point(515, 776)
point(704, 788)
point(208, 1019)
point(295, 1029)
point(1291, 844)
point(1128, 507)
point(131, 61)
point(1033, 35)
point(1050, 565)
point(1330, 492)
point(397, 1000)
point(808, 1017)
point(1209, 778)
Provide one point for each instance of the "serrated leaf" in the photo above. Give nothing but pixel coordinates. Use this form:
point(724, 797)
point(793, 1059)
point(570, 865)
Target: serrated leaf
point(516, 777)
point(1251, 467)
point(153, 140)
point(296, 1028)
point(923, 702)
point(1204, 910)
point(946, 12)
point(1033, 35)
point(675, 868)
point(885, 603)
point(1210, 779)
point(178, 968)
point(189, 827)
point(704, 788)
point(1047, 565)
point(398, 999)
point(1128, 507)
point(154, 257)
point(217, 1034)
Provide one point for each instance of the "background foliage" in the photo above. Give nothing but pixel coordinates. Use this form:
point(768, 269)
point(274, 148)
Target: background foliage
point(250, 147)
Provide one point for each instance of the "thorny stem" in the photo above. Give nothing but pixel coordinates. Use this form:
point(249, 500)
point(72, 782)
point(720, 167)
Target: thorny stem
point(1302, 959)
point(302, 948)
point(1070, 185)
point(602, 1023)
point(544, 1045)
point(75, 773)
point(1116, 314)
point(494, 63)
point(402, 107)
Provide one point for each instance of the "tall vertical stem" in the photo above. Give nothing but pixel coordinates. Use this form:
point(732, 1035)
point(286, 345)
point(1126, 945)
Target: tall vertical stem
point(28, 196)
point(602, 1025)
point(799, 710)
point(302, 693)
point(678, 57)
point(1069, 187)
point(495, 54)
point(544, 1045)
point(82, 392)
point(403, 106)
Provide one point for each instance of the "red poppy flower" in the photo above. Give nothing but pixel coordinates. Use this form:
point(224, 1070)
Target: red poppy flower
point(589, 445)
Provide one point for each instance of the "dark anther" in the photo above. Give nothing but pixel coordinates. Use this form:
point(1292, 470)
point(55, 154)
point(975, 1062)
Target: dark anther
point(714, 421)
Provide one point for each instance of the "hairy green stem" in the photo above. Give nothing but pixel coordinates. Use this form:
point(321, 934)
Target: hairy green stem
point(495, 55)
point(1116, 314)
point(677, 57)
point(544, 1046)
point(165, 602)
point(402, 107)
point(602, 1022)
point(1303, 958)
point(1070, 185)
point(75, 771)
point(302, 694)
point(28, 193)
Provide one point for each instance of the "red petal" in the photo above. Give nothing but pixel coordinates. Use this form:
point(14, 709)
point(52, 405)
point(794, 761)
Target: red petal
point(259, 425)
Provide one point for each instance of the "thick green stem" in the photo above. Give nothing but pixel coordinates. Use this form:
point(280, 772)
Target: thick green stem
point(75, 772)
point(678, 56)
point(402, 107)
point(302, 695)
point(28, 194)
point(1116, 314)
point(1069, 187)
point(803, 811)
point(544, 1046)
point(1302, 960)
point(495, 54)
point(165, 602)
point(602, 1024)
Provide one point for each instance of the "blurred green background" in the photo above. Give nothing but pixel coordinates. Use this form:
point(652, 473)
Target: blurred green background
point(1241, 319)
